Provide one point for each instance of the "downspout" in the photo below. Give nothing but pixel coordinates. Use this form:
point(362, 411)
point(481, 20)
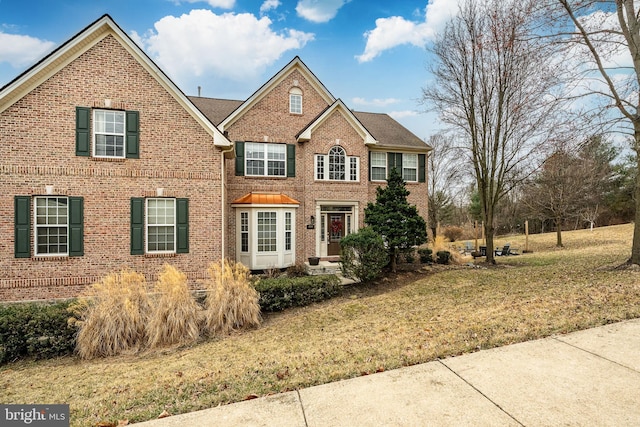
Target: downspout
point(223, 202)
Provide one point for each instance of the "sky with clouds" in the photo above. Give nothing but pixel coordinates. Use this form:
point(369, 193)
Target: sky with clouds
point(369, 53)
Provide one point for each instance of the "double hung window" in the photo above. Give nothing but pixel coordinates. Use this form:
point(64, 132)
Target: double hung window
point(265, 159)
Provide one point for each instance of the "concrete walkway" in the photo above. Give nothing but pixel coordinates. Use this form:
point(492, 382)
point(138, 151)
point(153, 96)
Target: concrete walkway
point(587, 378)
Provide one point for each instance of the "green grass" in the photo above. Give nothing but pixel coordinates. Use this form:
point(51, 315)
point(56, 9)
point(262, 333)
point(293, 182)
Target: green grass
point(409, 318)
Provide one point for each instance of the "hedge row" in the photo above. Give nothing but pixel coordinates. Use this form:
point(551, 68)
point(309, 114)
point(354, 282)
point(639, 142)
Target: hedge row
point(35, 330)
point(42, 331)
point(280, 293)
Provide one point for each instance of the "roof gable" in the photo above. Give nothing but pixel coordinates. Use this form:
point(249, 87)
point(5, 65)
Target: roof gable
point(339, 106)
point(295, 64)
point(82, 42)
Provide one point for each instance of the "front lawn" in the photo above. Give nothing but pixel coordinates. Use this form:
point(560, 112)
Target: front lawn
point(401, 320)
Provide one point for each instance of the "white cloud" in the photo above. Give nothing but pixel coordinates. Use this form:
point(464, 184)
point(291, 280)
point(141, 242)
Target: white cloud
point(19, 50)
point(319, 10)
point(221, 4)
point(403, 114)
point(233, 46)
point(269, 5)
point(396, 30)
point(375, 102)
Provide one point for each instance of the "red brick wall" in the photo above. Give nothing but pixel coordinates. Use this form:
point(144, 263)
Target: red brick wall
point(270, 118)
point(38, 137)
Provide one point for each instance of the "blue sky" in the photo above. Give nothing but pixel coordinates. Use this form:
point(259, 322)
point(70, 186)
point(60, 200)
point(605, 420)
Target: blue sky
point(369, 53)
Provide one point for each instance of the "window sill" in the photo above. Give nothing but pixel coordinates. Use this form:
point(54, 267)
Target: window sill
point(277, 178)
point(163, 255)
point(50, 258)
point(109, 159)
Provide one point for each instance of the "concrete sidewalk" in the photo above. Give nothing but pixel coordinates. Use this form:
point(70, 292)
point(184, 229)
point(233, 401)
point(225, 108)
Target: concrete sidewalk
point(587, 378)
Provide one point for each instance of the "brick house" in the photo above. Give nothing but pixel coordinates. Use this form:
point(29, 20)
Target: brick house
point(110, 165)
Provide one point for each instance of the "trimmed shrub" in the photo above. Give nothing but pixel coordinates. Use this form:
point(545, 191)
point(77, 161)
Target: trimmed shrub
point(112, 316)
point(35, 330)
point(284, 292)
point(175, 314)
point(443, 257)
point(453, 232)
point(297, 270)
point(426, 255)
point(232, 301)
point(363, 255)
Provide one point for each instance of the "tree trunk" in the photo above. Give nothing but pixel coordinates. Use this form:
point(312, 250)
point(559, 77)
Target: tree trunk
point(559, 233)
point(489, 232)
point(635, 247)
point(394, 260)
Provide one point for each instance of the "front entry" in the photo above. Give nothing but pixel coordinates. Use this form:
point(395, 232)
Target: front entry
point(335, 232)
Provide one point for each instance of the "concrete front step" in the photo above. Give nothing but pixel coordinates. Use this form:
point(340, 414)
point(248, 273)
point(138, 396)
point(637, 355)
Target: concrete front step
point(323, 267)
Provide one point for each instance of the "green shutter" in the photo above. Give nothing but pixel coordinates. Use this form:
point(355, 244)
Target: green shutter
point(239, 158)
point(394, 160)
point(83, 131)
point(133, 134)
point(370, 166)
point(291, 160)
point(22, 226)
point(137, 226)
point(182, 224)
point(422, 168)
point(76, 226)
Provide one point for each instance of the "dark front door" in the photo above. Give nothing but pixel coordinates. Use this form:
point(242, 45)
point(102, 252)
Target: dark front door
point(335, 233)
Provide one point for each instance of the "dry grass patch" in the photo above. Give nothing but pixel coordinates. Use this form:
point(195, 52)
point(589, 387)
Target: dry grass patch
point(113, 315)
point(401, 320)
point(175, 317)
point(232, 301)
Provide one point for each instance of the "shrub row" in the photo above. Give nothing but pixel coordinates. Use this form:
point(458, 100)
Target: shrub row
point(277, 294)
point(35, 330)
point(43, 330)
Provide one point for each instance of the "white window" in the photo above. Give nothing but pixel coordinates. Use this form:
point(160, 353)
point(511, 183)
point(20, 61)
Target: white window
point(244, 231)
point(287, 231)
point(295, 101)
point(267, 231)
point(340, 166)
point(410, 167)
point(336, 164)
point(378, 166)
point(265, 159)
point(52, 225)
point(109, 133)
point(161, 225)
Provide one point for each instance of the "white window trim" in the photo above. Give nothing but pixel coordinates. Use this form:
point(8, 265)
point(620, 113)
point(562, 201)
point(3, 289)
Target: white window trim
point(386, 166)
point(147, 225)
point(267, 147)
point(404, 155)
point(347, 173)
point(246, 216)
point(295, 93)
point(276, 232)
point(123, 134)
point(37, 226)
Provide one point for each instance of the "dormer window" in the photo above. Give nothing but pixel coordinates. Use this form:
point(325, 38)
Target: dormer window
point(295, 100)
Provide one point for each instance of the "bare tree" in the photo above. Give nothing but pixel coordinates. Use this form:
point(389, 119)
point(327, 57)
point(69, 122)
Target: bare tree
point(560, 189)
point(446, 178)
point(495, 86)
point(604, 29)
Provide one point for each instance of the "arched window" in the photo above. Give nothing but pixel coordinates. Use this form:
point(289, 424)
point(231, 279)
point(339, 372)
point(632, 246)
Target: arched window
point(337, 160)
point(295, 100)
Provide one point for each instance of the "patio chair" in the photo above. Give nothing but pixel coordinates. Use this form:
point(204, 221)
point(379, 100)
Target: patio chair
point(502, 252)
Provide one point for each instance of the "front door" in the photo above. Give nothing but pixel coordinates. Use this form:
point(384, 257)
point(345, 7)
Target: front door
point(335, 232)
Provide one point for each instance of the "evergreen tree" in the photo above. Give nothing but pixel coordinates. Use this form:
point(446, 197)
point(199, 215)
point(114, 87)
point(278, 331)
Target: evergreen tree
point(392, 217)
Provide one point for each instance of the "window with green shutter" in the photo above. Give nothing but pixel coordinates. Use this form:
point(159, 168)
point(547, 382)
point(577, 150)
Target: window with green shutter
point(109, 133)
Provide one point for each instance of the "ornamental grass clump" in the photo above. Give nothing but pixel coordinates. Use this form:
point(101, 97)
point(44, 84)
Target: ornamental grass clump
point(112, 316)
point(232, 301)
point(174, 318)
